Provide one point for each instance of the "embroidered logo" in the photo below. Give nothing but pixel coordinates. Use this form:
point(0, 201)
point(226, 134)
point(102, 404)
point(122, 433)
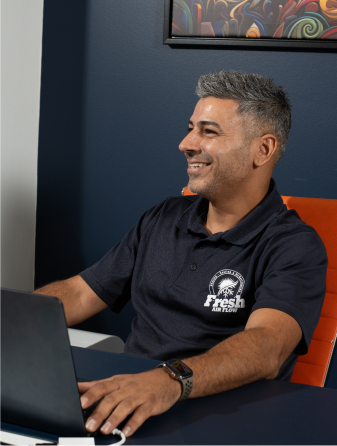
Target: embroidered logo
point(225, 291)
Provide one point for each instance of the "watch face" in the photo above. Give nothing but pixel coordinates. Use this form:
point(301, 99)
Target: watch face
point(179, 368)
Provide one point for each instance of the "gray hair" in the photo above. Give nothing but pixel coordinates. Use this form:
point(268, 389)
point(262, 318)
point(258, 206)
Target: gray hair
point(258, 97)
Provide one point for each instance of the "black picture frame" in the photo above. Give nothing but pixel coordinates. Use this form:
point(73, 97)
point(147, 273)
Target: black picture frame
point(309, 44)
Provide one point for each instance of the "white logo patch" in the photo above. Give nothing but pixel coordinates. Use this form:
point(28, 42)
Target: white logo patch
point(225, 291)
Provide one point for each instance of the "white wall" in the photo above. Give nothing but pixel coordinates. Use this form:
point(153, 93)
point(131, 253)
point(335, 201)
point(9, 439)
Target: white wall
point(21, 44)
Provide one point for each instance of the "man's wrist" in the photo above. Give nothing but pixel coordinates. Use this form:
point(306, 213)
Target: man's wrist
point(177, 370)
point(174, 386)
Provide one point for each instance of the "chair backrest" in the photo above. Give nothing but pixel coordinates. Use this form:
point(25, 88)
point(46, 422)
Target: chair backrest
point(321, 214)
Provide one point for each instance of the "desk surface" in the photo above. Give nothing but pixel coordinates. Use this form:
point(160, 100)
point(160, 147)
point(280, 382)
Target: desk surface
point(264, 412)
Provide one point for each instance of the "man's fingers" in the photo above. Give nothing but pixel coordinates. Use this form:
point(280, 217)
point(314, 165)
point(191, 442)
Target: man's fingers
point(83, 387)
point(125, 408)
point(97, 391)
point(140, 415)
point(104, 409)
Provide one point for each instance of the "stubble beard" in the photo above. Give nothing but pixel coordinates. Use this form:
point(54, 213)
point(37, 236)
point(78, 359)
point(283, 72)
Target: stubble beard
point(226, 178)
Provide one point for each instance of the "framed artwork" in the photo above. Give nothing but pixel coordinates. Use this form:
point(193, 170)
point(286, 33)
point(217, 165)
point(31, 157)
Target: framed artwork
point(275, 23)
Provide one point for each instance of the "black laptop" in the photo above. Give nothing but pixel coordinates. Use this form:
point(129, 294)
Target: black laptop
point(38, 381)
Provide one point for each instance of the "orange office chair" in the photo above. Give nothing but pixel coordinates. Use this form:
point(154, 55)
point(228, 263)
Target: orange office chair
point(321, 213)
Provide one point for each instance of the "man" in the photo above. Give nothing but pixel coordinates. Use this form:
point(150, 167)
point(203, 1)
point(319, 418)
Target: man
point(228, 281)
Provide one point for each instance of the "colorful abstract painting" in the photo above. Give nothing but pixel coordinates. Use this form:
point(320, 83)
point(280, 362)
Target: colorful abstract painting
point(258, 19)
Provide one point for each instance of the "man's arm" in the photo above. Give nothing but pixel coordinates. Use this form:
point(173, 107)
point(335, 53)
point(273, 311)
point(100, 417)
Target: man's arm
point(79, 301)
point(258, 352)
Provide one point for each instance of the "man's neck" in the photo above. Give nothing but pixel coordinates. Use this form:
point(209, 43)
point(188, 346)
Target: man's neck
point(225, 213)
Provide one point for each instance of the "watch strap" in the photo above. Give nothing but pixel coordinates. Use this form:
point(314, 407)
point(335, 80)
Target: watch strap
point(187, 385)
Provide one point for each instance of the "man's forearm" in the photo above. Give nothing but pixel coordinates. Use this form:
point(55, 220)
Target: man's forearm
point(62, 289)
point(243, 358)
point(66, 291)
point(79, 300)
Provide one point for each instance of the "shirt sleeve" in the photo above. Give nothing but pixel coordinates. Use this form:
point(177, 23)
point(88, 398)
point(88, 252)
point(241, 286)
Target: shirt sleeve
point(294, 278)
point(111, 277)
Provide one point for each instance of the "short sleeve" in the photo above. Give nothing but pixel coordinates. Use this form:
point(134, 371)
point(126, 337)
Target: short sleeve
point(111, 277)
point(294, 278)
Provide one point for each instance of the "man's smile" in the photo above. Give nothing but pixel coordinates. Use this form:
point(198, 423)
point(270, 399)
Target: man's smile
point(198, 164)
point(196, 167)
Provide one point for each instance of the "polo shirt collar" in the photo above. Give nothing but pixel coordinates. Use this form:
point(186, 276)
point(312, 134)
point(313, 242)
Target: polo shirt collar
point(192, 220)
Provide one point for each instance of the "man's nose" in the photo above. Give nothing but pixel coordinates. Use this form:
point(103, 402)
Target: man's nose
point(190, 143)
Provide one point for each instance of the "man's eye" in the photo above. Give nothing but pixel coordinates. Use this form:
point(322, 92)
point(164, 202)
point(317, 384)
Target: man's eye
point(189, 130)
point(208, 131)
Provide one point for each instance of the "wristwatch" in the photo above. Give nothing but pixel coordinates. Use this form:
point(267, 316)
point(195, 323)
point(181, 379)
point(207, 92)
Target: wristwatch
point(180, 372)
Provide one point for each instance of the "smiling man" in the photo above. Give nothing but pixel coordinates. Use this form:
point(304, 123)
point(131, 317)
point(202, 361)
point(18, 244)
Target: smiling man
point(228, 284)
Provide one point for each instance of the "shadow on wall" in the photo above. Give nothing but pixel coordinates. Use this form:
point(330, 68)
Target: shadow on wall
point(18, 231)
point(60, 146)
point(60, 156)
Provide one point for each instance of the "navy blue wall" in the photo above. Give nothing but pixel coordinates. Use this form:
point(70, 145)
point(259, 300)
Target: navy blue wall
point(115, 103)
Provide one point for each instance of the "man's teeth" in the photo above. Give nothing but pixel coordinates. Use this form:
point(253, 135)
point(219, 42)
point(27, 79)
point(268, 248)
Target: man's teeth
point(198, 165)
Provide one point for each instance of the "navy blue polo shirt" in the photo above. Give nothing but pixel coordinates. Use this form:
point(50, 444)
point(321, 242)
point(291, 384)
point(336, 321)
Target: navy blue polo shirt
point(192, 290)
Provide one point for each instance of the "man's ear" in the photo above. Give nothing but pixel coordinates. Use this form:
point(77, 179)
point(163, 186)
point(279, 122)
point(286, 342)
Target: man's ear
point(264, 149)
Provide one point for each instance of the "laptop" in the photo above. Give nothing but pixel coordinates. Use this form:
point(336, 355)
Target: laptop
point(38, 380)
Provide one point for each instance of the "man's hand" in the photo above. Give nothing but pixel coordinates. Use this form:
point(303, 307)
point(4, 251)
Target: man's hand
point(144, 394)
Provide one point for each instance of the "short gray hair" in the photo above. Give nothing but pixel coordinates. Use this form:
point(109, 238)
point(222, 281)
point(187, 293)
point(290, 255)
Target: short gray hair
point(258, 97)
